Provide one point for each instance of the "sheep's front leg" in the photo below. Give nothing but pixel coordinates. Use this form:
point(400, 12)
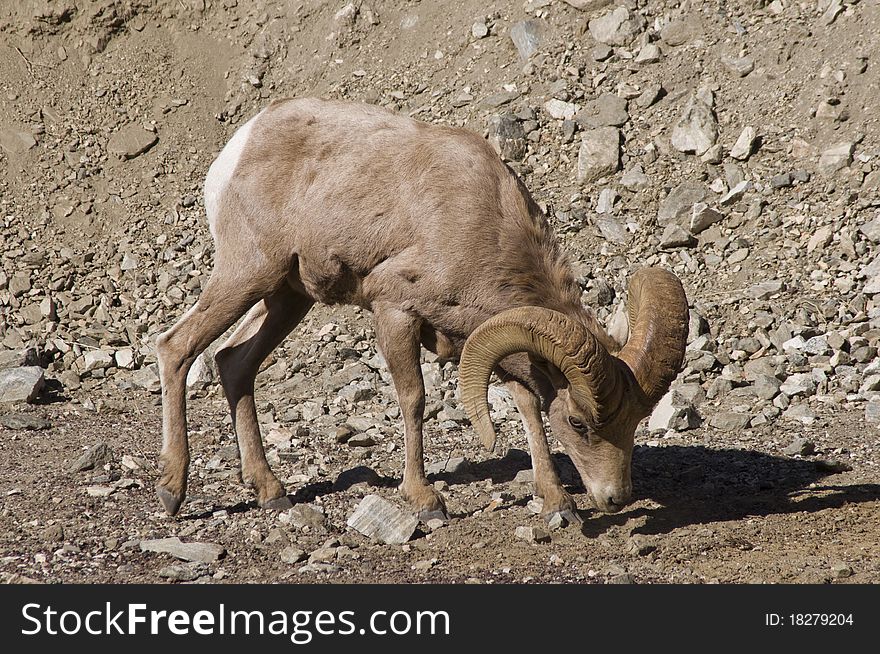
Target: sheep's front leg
point(547, 484)
point(397, 333)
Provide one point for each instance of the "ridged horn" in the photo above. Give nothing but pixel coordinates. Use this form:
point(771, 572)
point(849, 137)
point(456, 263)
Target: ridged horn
point(658, 319)
point(598, 381)
point(593, 374)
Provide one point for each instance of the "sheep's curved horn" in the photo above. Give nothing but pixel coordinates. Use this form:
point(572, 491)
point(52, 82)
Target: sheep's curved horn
point(599, 382)
point(595, 377)
point(658, 319)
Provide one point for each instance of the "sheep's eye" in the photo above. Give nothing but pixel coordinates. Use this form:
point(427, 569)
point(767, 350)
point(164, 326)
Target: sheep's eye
point(576, 423)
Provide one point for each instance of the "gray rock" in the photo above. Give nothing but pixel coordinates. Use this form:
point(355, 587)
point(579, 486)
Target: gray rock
point(697, 129)
point(798, 384)
point(799, 446)
point(601, 52)
point(499, 99)
point(202, 372)
point(20, 284)
point(303, 515)
point(836, 158)
point(125, 358)
point(872, 412)
point(744, 145)
point(557, 521)
point(479, 30)
point(16, 141)
point(357, 475)
point(835, 8)
point(588, 5)
point(21, 384)
point(435, 523)
point(766, 387)
point(679, 32)
point(202, 552)
point(97, 359)
point(841, 570)
point(54, 533)
point(94, 457)
point(782, 180)
point(454, 465)
point(871, 230)
point(48, 309)
point(612, 229)
point(599, 154)
point(820, 238)
point(323, 555)
point(817, 345)
point(319, 567)
point(129, 262)
point(676, 236)
point(605, 203)
point(765, 290)
point(607, 110)
point(183, 572)
point(527, 36)
point(314, 410)
point(634, 179)
point(507, 137)
point(31, 314)
point(561, 110)
point(361, 440)
point(703, 217)
point(650, 95)
point(735, 194)
point(740, 66)
point(800, 413)
point(674, 411)
point(641, 545)
point(649, 54)
point(377, 518)
point(131, 141)
point(24, 421)
point(617, 27)
point(18, 358)
point(147, 378)
point(531, 535)
point(729, 421)
point(680, 201)
point(292, 554)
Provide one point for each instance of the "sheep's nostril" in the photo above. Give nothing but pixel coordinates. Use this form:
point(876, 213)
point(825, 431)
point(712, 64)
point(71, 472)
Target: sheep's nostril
point(612, 502)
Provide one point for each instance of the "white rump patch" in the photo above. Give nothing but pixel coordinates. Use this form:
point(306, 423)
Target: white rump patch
point(221, 170)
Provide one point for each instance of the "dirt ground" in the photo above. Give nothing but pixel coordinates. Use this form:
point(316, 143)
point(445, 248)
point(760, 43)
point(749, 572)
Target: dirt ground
point(105, 246)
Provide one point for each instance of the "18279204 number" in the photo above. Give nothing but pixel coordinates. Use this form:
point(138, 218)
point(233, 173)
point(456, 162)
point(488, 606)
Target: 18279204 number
point(820, 619)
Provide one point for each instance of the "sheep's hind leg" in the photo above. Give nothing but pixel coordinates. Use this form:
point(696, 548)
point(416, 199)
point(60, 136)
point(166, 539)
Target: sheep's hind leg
point(222, 302)
point(547, 484)
point(397, 333)
point(238, 360)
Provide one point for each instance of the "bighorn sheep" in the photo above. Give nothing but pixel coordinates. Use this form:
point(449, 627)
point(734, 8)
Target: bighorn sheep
point(318, 201)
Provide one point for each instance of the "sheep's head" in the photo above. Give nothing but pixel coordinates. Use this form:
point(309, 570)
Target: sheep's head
point(600, 398)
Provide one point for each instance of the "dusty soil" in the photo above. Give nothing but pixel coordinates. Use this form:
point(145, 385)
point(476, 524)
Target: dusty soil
point(119, 248)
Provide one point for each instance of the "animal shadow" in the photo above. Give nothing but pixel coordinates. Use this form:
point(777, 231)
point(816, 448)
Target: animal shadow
point(696, 485)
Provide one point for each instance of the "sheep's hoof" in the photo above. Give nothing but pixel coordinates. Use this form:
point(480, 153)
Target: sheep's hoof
point(435, 514)
point(563, 518)
point(279, 504)
point(169, 500)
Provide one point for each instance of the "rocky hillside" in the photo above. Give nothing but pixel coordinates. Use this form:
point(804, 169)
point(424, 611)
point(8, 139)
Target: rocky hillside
point(736, 143)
